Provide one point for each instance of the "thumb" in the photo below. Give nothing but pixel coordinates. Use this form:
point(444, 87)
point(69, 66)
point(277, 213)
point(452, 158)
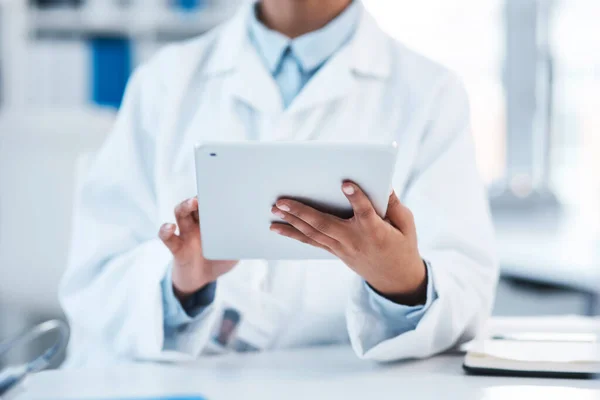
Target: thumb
point(169, 238)
point(400, 216)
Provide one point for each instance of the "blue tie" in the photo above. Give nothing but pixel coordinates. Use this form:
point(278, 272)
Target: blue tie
point(289, 77)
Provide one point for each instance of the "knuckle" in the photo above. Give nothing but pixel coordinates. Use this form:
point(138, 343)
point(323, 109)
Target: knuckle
point(311, 234)
point(379, 242)
point(394, 201)
point(180, 209)
point(364, 213)
point(408, 214)
point(346, 224)
point(165, 231)
point(322, 226)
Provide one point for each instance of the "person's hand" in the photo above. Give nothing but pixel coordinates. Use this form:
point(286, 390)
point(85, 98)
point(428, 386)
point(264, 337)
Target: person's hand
point(191, 271)
point(383, 252)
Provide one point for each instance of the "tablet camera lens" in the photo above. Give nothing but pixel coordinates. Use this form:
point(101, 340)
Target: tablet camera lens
point(213, 154)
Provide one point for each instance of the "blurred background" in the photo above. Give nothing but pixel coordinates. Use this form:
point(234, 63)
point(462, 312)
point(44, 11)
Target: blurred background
point(532, 68)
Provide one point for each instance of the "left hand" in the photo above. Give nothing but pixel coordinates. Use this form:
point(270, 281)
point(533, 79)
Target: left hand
point(383, 252)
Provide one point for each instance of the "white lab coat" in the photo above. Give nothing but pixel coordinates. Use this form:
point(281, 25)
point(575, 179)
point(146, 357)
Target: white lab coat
point(216, 87)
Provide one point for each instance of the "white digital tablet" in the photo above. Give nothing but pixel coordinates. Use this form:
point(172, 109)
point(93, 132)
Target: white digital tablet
point(239, 182)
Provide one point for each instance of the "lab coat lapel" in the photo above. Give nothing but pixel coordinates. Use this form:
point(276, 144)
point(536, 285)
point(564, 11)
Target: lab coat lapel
point(366, 56)
point(253, 85)
point(236, 59)
point(334, 81)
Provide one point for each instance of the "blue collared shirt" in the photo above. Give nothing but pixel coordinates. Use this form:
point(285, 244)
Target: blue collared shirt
point(292, 63)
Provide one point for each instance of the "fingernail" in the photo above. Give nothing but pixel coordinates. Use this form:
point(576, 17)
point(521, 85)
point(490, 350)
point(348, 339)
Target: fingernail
point(278, 214)
point(168, 227)
point(348, 189)
point(190, 201)
point(283, 207)
point(276, 230)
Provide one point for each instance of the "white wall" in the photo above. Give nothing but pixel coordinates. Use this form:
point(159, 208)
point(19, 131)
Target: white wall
point(39, 150)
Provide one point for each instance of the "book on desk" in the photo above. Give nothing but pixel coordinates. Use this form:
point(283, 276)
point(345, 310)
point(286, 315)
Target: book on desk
point(564, 347)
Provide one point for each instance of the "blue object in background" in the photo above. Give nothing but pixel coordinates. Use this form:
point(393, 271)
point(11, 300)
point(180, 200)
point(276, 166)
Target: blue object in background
point(111, 67)
point(188, 5)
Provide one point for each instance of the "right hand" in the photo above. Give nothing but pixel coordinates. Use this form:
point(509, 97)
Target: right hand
point(191, 271)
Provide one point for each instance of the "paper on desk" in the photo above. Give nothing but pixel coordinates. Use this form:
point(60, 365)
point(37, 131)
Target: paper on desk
point(562, 324)
point(511, 325)
point(548, 352)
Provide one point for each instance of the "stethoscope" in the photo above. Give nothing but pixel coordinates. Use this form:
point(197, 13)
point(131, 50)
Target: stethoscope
point(12, 376)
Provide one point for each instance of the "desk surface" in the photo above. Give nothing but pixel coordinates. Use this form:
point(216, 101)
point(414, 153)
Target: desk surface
point(323, 373)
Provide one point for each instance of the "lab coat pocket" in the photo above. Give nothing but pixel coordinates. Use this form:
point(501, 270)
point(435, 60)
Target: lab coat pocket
point(250, 320)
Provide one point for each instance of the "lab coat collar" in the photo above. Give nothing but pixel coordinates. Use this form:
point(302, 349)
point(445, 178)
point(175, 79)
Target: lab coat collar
point(310, 50)
point(371, 49)
point(371, 53)
point(367, 55)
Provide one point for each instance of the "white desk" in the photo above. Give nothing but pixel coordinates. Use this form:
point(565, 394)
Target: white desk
point(325, 373)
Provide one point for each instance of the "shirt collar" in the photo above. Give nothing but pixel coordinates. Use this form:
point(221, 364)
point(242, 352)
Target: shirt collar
point(312, 49)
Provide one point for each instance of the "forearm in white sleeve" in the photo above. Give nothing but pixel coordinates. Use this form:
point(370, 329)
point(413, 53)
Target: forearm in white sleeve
point(454, 228)
point(111, 292)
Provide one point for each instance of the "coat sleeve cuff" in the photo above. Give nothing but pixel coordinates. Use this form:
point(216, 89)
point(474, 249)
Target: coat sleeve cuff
point(400, 318)
point(177, 315)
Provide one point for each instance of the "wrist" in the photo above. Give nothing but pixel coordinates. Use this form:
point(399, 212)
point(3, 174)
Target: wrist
point(184, 287)
point(185, 295)
point(182, 296)
point(406, 290)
